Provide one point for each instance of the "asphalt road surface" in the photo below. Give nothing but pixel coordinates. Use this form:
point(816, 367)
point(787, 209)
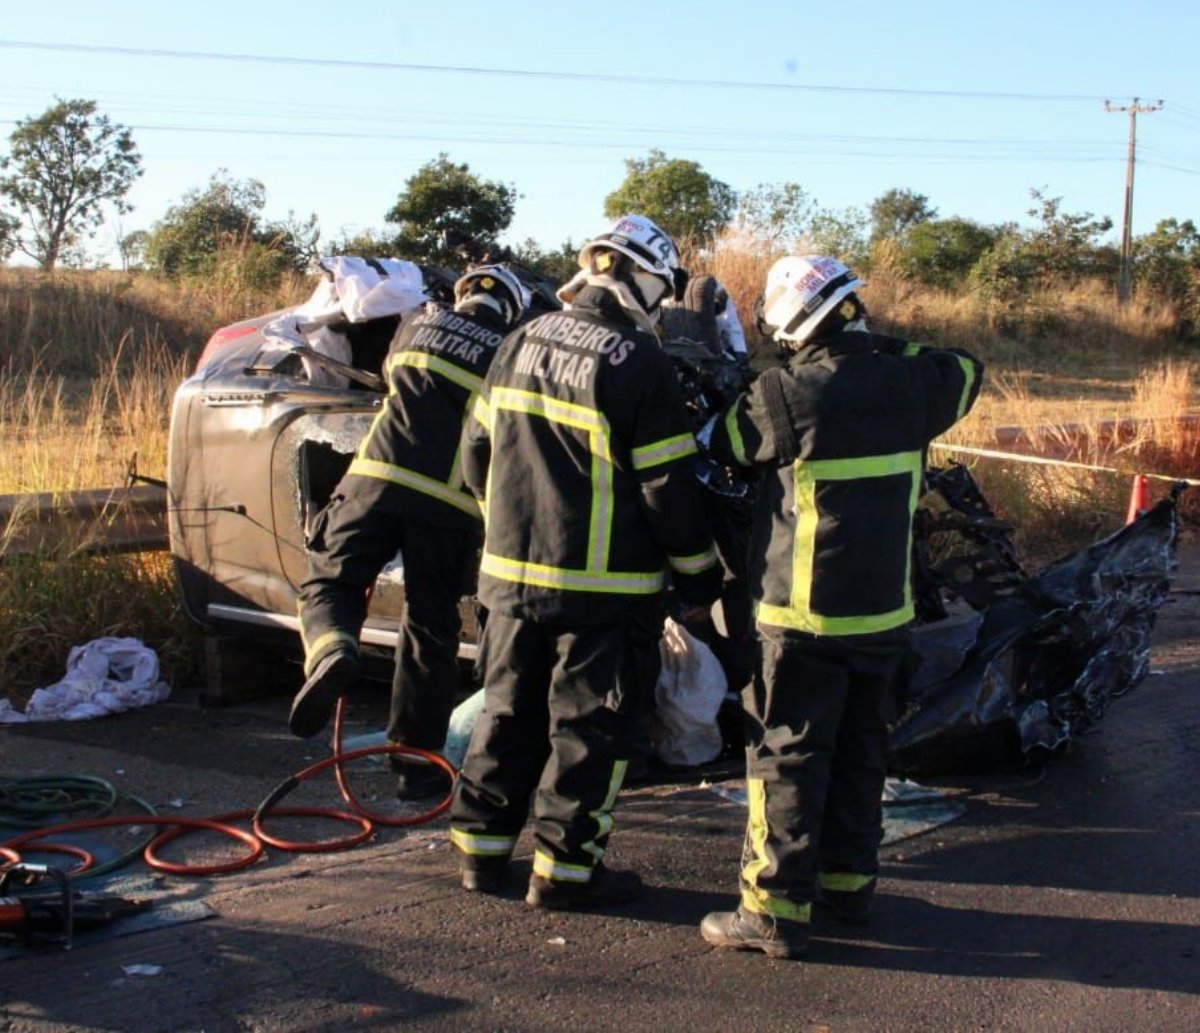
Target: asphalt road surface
point(1063, 900)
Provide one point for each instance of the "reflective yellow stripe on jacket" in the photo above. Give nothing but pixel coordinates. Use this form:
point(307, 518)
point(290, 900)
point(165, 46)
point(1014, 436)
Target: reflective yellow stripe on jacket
point(450, 491)
point(423, 360)
point(696, 564)
point(430, 486)
point(799, 614)
point(595, 577)
point(969, 368)
point(648, 456)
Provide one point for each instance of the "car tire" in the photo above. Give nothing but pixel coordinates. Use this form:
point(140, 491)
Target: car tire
point(696, 316)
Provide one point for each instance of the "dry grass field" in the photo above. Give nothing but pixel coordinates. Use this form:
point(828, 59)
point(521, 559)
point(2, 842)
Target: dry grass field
point(89, 363)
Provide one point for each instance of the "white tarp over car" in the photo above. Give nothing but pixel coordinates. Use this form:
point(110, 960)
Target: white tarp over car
point(352, 290)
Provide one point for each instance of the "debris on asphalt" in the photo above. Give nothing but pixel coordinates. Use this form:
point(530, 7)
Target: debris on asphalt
point(1016, 667)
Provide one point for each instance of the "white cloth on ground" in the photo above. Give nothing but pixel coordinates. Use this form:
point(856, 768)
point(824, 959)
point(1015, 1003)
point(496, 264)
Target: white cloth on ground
point(105, 676)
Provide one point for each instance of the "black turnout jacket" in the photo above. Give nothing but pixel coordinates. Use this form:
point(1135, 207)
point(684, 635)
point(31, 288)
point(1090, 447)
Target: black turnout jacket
point(841, 433)
point(580, 452)
point(434, 369)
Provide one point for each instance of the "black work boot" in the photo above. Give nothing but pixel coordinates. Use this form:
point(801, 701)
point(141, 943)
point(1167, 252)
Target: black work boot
point(313, 706)
point(745, 930)
point(416, 781)
point(605, 887)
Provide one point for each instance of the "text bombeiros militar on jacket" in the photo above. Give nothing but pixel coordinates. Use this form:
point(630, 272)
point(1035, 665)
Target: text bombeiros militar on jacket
point(574, 368)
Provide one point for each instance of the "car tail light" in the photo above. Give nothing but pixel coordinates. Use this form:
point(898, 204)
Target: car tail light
point(221, 338)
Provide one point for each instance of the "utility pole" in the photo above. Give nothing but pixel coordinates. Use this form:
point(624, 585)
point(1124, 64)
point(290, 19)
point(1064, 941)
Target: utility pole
point(1125, 276)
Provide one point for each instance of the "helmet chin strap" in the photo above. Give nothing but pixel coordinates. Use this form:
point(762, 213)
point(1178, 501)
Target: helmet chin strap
point(650, 290)
point(484, 300)
point(795, 344)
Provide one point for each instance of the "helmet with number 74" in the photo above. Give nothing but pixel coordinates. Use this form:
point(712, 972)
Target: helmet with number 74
point(651, 254)
point(807, 293)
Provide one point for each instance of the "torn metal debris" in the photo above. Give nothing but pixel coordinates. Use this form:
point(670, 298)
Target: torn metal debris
point(1017, 666)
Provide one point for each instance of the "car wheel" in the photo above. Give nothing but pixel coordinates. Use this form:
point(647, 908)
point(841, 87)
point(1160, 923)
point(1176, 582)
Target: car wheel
point(695, 318)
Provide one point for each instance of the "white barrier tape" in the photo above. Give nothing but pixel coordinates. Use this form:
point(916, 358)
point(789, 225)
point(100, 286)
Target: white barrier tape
point(1018, 457)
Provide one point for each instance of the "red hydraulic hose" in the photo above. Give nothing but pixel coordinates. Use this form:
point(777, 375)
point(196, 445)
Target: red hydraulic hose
point(365, 819)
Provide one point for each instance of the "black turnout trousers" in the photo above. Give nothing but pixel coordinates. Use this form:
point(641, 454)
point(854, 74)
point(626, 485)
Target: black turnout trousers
point(352, 541)
point(816, 730)
point(557, 729)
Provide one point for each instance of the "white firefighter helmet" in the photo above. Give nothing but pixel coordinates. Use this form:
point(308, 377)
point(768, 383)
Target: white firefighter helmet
point(500, 283)
point(801, 291)
point(651, 249)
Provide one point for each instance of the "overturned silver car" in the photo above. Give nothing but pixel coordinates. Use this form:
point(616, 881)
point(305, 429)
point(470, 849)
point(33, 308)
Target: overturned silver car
point(262, 432)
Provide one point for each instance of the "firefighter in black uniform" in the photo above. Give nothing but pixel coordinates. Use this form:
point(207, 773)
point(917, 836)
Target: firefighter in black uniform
point(404, 492)
point(581, 454)
point(841, 433)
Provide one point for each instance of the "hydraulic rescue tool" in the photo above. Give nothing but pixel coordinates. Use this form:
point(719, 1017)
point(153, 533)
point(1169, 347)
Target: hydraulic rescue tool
point(38, 906)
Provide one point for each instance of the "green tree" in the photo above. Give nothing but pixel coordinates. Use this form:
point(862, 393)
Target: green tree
point(1166, 264)
point(444, 206)
point(186, 239)
point(677, 194)
point(559, 264)
point(8, 235)
point(942, 252)
point(368, 243)
point(296, 237)
point(1166, 259)
point(777, 213)
point(226, 213)
point(839, 234)
point(1007, 273)
point(898, 210)
point(64, 166)
point(132, 247)
point(1067, 246)
point(1062, 249)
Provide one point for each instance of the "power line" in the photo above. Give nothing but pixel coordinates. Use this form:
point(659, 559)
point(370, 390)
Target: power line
point(527, 73)
point(1186, 126)
point(364, 126)
point(828, 144)
point(386, 118)
point(1172, 168)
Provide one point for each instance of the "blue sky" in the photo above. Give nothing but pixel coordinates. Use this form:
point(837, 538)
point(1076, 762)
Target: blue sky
point(969, 104)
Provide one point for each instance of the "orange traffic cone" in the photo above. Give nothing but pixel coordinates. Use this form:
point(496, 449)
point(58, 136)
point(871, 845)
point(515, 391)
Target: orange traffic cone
point(1138, 501)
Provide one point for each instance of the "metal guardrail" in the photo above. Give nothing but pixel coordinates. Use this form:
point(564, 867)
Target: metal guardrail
point(1077, 440)
point(101, 522)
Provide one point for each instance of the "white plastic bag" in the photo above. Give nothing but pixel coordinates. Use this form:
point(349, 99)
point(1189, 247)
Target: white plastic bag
point(687, 697)
point(729, 328)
